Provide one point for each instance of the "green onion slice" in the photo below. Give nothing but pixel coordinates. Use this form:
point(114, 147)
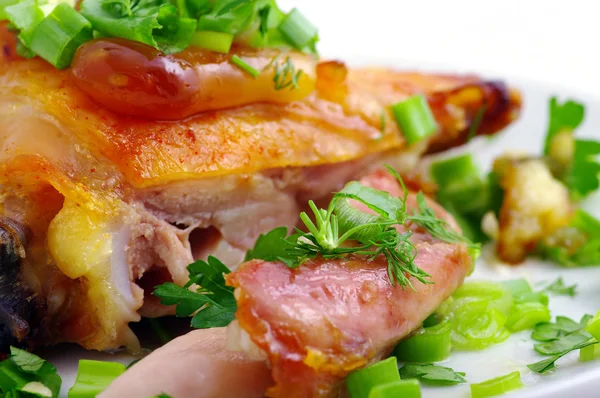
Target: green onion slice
point(593, 326)
point(243, 65)
point(361, 382)
point(214, 41)
point(59, 35)
point(415, 119)
point(402, 388)
point(526, 315)
point(447, 172)
point(497, 386)
point(496, 294)
point(533, 297)
point(298, 30)
point(3, 5)
point(93, 377)
point(517, 286)
point(429, 344)
point(477, 325)
point(589, 353)
point(26, 16)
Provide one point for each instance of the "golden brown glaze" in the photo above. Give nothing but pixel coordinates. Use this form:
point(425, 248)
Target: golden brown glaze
point(313, 131)
point(138, 80)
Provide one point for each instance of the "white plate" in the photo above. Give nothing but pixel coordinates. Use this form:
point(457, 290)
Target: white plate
point(571, 378)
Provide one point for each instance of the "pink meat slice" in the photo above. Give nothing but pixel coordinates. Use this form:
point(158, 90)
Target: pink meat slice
point(315, 323)
point(327, 318)
point(191, 366)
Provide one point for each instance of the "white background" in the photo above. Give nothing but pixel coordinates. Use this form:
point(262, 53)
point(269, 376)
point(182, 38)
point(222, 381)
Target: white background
point(546, 40)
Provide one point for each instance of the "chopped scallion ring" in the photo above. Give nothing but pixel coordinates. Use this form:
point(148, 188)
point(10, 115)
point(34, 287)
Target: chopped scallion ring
point(298, 29)
point(415, 119)
point(589, 353)
point(361, 382)
point(243, 65)
point(430, 344)
point(94, 376)
point(526, 315)
point(403, 388)
point(447, 172)
point(497, 386)
point(214, 41)
point(59, 35)
point(517, 287)
point(593, 326)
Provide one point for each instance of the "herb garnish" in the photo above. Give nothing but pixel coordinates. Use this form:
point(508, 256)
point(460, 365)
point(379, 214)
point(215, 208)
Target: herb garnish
point(28, 373)
point(563, 326)
point(548, 364)
point(432, 374)
point(286, 74)
point(212, 304)
point(559, 339)
point(374, 233)
point(54, 32)
point(563, 117)
point(476, 122)
point(558, 287)
point(582, 175)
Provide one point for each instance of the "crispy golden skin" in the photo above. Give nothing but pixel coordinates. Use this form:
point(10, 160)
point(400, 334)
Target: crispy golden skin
point(339, 122)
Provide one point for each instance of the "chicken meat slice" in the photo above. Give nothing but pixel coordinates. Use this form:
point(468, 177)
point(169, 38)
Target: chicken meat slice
point(314, 324)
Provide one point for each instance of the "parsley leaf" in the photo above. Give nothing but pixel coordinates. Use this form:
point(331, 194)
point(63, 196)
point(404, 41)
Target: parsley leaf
point(271, 246)
point(576, 245)
point(547, 364)
point(558, 287)
point(212, 303)
point(584, 175)
point(152, 22)
point(176, 33)
point(555, 347)
point(28, 373)
point(432, 374)
point(26, 361)
point(563, 326)
point(134, 21)
point(563, 117)
point(263, 15)
point(229, 16)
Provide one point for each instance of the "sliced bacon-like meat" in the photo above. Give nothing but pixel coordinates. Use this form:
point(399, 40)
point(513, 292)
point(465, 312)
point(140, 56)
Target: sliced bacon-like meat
point(327, 318)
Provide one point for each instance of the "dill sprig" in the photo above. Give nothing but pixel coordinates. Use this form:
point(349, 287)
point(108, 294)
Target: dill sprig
point(285, 74)
point(426, 219)
point(373, 235)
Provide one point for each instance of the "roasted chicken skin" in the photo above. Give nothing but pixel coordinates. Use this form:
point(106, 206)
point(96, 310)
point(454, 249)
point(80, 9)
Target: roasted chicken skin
point(116, 201)
point(313, 324)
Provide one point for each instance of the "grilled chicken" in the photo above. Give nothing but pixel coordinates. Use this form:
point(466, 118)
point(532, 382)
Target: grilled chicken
point(314, 324)
point(197, 364)
point(131, 164)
